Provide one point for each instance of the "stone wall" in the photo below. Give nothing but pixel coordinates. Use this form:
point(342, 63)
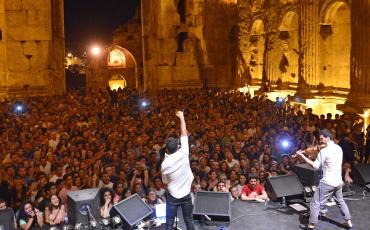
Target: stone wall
point(305, 45)
point(32, 47)
point(187, 43)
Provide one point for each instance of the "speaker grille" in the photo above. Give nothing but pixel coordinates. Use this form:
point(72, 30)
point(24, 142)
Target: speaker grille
point(214, 204)
point(133, 209)
point(287, 185)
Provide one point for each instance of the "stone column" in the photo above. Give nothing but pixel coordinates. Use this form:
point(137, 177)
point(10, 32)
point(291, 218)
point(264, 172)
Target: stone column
point(308, 33)
point(359, 97)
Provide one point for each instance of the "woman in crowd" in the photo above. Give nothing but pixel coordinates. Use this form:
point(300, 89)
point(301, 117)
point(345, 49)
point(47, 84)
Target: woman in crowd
point(106, 201)
point(29, 217)
point(152, 200)
point(55, 212)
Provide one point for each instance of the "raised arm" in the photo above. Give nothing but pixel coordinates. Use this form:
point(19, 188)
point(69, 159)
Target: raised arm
point(180, 115)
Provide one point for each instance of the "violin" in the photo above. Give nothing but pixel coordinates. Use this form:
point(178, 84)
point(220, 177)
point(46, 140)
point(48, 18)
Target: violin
point(311, 150)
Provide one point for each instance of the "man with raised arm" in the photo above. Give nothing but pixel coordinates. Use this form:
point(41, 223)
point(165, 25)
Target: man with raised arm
point(176, 173)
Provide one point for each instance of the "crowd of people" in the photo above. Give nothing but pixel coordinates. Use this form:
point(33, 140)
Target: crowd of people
point(114, 140)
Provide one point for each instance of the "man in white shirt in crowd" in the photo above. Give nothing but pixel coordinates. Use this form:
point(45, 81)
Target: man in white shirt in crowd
point(176, 173)
point(329, 160)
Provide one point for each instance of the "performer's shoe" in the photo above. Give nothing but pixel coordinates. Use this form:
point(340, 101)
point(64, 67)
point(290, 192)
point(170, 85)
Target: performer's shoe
point(348, 225)
point(306, 227)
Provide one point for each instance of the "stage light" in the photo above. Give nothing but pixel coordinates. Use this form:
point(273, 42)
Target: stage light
point(19, 108)
point(67, 227)
point(285, 144)
point(93, 224)
point(279, 99)
point(78, 226)
point(143, 103)
point(105, 222)
point(116, 220)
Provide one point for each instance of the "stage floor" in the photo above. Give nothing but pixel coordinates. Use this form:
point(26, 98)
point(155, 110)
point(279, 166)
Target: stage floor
point(258, 216)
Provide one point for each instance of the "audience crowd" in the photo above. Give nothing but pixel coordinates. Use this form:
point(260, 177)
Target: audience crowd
point(114, 140)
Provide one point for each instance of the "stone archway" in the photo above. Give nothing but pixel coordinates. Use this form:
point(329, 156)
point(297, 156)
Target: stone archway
point(117, 81)
point(257, 49)
point(289, 48)
point(112, 61)
point(335, 31)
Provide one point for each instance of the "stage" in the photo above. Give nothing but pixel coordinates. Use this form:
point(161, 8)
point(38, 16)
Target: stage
point(260, 216)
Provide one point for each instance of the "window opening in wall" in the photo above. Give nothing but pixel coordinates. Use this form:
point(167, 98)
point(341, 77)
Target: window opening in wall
point(181, 9)
point(180, 41)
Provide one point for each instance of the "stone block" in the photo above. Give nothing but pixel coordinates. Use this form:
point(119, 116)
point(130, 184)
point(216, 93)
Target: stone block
point(13, 5)
point(40, 33)
point(199, 21)
point(16, 33)
point(38, 17)
point(164, 74)
point(163, 32)
point(185, 59)
point(17, 79)
point(36, 4)
point(185, 73)
point(167, 48)
point(16, 18)
point(30, 48)
point(16, 60)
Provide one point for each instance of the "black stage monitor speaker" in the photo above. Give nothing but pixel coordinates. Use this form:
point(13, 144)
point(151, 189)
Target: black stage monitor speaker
point(361, 174)
point(80, 203)
point(216, 205)
point(283, 186)
point(131, 210)
point(307, 174)
point(7, 219)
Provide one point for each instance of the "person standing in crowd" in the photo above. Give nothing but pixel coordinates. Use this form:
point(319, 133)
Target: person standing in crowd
point(176, 173)
point(329, 160)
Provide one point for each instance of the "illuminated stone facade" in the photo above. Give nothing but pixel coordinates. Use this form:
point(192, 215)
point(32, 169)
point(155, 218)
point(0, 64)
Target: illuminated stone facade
point(31, 47)
point(316, 49)
point(187, 43)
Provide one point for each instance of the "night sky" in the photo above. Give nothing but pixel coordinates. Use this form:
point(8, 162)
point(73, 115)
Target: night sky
point(93, 21)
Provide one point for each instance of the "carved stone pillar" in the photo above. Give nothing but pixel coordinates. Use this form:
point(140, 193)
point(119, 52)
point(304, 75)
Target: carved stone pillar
point(359, 97)
point(308, 33)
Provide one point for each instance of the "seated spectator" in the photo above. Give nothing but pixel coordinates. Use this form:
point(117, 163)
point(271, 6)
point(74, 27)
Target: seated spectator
point(221, 187)
point(212, 180)
point(159, 187)
point(195, 188)
point(29, 216)
point(254, 191)
point(152, 200)
point(106, 201)
point(118, 188)
point(242, 182)
point(126, 193)
point(55, 212)
point(234, 193)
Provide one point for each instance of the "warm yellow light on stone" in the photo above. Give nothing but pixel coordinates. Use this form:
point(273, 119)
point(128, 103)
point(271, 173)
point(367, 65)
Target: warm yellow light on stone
point(116, 84)
point(117, 81)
